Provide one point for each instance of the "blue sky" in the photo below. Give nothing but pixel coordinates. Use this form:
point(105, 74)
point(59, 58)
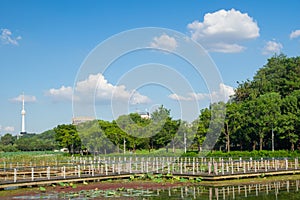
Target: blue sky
point(43, 45)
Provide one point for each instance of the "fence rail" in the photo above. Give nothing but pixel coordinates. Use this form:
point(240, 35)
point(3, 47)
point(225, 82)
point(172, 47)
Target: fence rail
point(81, 167)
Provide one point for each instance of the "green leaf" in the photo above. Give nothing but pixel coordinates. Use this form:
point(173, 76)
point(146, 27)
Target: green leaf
point(42, 189)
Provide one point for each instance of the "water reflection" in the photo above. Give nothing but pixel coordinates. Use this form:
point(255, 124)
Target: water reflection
point(270, 190)
point(267, 191)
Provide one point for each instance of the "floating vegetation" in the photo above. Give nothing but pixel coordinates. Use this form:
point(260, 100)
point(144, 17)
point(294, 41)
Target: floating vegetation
point(91, 194)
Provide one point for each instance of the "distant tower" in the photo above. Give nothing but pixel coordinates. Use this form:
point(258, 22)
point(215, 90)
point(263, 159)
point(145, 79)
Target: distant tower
point(23, 113)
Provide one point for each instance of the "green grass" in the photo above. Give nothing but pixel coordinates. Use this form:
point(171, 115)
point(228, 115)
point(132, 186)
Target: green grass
point(33, 156)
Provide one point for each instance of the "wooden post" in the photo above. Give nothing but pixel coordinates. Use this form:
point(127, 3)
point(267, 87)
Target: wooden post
point(32, 174)
point(216, 168)
point(15, 175)
point(64, 172)
point(222, 166)
point(193, 168)
point(227, 167)
point(248, 165)
point(173, 167)
point(113, 168)
point(106, 169)
point(181, 167)
point(78, 168)
point(48, 173)
point(209, 167)
point(147, 170)
point(93, 170)
point(286, 164)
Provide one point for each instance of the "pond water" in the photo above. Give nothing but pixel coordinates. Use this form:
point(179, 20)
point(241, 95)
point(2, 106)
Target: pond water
point(283, 190)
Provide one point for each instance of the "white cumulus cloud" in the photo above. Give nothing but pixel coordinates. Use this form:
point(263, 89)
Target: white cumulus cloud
point(165, 42)
point(61, 94)
point(9, 129)
point(98, 88)
point(295, 34)
point(27, 98)
point(272, 47)
point(223, 93)
point(222, 30)
point(7, 38)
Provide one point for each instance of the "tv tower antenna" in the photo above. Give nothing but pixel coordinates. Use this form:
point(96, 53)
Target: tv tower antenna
point(23, 113)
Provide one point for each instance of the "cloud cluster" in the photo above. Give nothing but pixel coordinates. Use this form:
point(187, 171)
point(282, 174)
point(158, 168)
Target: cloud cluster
point(223, 93)
point(98, 88)
point(222, 31)
point(164, 42)
point(7, 129)
point(27, 98)
point(295, 34)
point(7, 38)
point(61, 94)
point(272, 47)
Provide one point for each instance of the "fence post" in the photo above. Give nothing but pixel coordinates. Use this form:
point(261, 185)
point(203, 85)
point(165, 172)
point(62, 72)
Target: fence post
point(216, 167)
point(266, 166)
point(209, 167)
point(32, 174)
point(181, 167)
point(64, 172)
point(106, 169)
point(222, 166)
point(93, 170)
point(15, 175)
point(78, 168)
point(48, 173)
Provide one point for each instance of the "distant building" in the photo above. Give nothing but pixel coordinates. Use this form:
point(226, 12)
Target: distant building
point(145, 115)
point(79, 120)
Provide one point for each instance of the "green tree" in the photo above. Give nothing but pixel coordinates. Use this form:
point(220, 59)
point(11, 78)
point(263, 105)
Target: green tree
point(7, 139)
point(203, 127)
point(68, 137)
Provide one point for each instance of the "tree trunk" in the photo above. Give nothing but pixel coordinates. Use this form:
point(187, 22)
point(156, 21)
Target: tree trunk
point(260, 143)
point(293, 147)
point(173, 143)
point(227, 138)
point(228, 143)
point(199, 147)
point(254, 146)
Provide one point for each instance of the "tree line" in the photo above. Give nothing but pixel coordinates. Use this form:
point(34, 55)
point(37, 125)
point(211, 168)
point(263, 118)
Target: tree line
point(29, 142)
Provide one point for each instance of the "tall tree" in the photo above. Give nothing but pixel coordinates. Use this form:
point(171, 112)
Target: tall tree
point(68, 137)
